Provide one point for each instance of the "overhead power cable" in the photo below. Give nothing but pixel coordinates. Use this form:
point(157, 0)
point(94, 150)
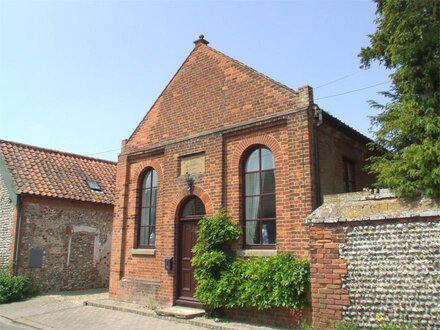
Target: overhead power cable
point(319, 98)
point(338, 79)
point(102, 152)
point(354, 90)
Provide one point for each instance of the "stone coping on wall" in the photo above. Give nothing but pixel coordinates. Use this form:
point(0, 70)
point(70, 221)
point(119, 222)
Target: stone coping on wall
point(369, 206)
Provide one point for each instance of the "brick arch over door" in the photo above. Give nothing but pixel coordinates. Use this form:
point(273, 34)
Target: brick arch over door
point(181, 196)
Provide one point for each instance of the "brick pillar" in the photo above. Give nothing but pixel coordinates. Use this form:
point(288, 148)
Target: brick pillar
point(328, 296)
point(119, 225)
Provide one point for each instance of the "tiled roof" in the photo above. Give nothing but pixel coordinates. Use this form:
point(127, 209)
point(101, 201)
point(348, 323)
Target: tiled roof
point(51, 173)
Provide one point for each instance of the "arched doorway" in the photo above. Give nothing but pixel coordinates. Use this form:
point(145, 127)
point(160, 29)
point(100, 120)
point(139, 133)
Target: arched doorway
point(191, 211)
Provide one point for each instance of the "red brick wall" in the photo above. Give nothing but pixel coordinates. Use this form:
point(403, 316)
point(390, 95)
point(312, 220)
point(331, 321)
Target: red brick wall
point(211, 91)
point(328, 296)
point(220, 108)
point(334, 145)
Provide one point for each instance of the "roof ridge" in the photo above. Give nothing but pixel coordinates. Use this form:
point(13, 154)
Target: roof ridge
point(57, 151)
point(290, 89)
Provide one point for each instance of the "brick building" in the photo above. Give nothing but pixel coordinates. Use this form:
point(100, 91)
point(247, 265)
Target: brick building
point(222, 135)
point(56, 212)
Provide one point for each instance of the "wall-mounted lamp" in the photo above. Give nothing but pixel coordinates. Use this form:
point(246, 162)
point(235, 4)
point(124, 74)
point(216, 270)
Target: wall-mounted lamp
point(189, 182)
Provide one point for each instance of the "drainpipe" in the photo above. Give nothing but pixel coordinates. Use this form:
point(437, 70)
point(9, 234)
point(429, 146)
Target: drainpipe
point(317, 122)
point(18, 234)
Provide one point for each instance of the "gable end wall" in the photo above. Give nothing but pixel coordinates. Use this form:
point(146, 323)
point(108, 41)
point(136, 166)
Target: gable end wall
point(6, 221)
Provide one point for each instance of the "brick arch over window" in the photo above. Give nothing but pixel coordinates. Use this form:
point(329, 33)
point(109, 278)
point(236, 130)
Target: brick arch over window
point(265, 140)
point(139, 168)
point(238, 157)
point(137, 174)
point(181, 197)
point(148, 187)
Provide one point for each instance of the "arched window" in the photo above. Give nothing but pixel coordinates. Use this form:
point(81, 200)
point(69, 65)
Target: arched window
point(259, 198)
point(147, 216)
point(193, 208)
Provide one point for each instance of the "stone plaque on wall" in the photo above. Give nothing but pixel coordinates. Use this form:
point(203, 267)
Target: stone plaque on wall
point(192, 164)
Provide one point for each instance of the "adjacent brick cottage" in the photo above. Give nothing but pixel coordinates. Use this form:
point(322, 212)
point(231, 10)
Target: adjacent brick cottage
point(56, 212)
point(222, 135)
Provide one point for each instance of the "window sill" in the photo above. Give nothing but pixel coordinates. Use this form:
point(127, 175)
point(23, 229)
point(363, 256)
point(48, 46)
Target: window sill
point(256, 253)
point(145, 252)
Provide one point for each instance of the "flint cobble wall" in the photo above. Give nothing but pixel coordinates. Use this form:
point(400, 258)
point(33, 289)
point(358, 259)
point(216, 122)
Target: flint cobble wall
point(6, 214)
point(393, 270)
point(375, 255)
point(75, 238)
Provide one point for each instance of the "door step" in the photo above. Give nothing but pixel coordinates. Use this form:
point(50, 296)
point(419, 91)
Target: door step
point(181, 312)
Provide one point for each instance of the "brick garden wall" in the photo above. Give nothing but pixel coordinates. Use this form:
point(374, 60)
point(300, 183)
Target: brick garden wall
point(75, 238)
point(6, 221)
point(375, 255)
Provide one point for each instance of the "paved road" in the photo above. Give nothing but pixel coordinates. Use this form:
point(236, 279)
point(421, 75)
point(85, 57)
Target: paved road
point(50, 312)
point(5, 324)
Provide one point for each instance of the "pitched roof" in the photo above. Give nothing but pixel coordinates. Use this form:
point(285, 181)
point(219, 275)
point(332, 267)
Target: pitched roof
point(50, 173)
point(211, 91)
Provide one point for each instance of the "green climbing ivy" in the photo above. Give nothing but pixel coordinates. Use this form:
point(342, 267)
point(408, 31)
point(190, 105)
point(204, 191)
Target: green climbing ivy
point(224, 280)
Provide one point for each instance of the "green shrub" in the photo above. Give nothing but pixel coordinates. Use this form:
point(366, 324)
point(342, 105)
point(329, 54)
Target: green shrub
point(345, 325)
point(226, 281)
point(14, 287)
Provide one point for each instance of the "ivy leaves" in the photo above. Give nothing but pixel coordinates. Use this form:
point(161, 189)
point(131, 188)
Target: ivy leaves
point(226, 281)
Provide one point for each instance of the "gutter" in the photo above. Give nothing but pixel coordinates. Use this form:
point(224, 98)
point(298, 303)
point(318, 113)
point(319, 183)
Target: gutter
point(317, 122)
point(18, 234)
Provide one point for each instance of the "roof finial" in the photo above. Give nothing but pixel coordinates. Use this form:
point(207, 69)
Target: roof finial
point(201, 40)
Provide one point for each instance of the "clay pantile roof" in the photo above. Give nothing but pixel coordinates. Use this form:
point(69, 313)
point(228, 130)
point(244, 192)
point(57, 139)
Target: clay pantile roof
point(44, 172)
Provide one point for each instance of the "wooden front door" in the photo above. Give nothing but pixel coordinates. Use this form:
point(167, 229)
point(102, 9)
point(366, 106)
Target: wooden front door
point(191, 212)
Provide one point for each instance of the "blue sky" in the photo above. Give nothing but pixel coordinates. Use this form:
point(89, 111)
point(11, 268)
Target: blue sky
point(78, 76)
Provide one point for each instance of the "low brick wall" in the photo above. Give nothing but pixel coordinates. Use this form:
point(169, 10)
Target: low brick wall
point(375, 255)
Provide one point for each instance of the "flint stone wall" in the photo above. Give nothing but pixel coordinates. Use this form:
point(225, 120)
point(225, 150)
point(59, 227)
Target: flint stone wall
point(374, 254)
point(6, 214)
point(75, 239)
point(394, 270)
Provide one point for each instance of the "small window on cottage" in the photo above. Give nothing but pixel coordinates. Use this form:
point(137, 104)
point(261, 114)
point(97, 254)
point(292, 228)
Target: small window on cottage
point(146, 229)
point(259, 199)
point(349, 175)
point(93, 185)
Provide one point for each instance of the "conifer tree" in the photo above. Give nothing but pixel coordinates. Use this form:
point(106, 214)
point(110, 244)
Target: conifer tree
point(407, 41)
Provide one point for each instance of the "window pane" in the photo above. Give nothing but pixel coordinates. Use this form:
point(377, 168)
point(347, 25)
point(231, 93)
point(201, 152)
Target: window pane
point(152, 216)
point(153, 196)
point(147, 180)
point(154, 175)
point(152, 235)
point(199, 208)
point(145, 216)
point(252, 232)
point(268, 184)
point(252, 163)
point(146, 197)
point(252, 184)
point(143, 237)
point(268, 232)
point(188, 209)
point(268, 206)
point(267, 162)
point(252, 204)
